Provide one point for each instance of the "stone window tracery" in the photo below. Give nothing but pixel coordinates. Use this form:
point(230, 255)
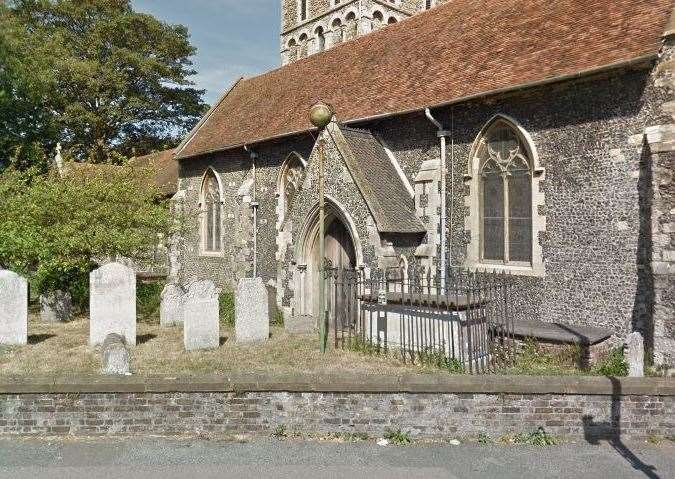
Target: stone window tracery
point(506, 199)
point(505, 196)
point(211, 206)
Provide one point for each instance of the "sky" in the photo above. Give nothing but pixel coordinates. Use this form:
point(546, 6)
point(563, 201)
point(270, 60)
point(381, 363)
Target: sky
point(234, 38)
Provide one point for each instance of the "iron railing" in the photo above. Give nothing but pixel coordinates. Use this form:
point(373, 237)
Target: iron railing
point(463, 320)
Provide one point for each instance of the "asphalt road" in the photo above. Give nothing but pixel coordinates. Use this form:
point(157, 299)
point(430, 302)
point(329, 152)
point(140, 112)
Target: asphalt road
point(194, 459)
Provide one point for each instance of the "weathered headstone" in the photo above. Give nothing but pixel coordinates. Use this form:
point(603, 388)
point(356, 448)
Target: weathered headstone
point(635, 355)
point(112, 303)
point(115, 356)
point(171, 307)
point(56, 307)
point(13, 309)
point(201, 316)
point(252, 320)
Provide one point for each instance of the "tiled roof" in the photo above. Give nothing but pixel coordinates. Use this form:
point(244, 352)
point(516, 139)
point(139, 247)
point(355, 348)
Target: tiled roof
point(382, 187)
point(457, 50)
point(164, 170)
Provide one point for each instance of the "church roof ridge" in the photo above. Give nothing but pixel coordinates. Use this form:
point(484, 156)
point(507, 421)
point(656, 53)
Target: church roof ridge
point(458, 50)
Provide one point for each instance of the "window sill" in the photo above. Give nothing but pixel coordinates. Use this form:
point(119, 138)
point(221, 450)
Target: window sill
point(213, 254)
point(531, 271)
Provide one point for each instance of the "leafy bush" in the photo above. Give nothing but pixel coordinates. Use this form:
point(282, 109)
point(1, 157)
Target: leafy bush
point(55, 229)
point(148, 301)
point(227, 308)
point(614, 365)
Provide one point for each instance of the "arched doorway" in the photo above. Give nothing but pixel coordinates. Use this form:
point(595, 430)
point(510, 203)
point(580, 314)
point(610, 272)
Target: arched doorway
point(342, 251)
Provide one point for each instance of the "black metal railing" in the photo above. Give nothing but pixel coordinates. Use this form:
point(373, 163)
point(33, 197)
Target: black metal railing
point(462, 320)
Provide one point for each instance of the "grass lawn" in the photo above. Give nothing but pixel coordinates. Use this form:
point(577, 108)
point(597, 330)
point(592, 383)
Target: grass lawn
point(62, 349)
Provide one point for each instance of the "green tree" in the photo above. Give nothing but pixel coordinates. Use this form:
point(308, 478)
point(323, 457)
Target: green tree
point(26, 126)
point(121, 78)
point(54, 229)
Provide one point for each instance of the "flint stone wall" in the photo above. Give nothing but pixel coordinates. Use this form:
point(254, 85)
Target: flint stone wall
point(112, 303)
point(13, 309)
point(597, 242)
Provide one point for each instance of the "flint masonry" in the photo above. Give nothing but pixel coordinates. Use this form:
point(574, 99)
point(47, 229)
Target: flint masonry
point(525, 136)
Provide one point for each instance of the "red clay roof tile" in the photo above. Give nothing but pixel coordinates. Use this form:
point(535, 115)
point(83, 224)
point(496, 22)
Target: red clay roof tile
point(456, 50)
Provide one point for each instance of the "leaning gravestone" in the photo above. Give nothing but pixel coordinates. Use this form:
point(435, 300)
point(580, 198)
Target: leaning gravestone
point(112, 303)
point(56, 307)
point(252, 320)
point(201, 316)
point(635, 355)
point(13, 309)
point(171, 307)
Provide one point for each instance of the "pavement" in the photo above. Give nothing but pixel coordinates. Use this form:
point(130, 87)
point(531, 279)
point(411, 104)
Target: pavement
point(155, 458)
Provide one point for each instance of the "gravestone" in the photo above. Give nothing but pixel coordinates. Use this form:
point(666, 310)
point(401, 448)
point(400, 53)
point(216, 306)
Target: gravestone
point(56, 307)
point(635, 355)
point(112, 303)
point(201, 316)
point(115, 356)
point(252, 320)
point(171, 308)
point(13, 309)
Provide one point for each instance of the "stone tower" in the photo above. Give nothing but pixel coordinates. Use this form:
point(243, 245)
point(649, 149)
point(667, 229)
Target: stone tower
point(312, 26)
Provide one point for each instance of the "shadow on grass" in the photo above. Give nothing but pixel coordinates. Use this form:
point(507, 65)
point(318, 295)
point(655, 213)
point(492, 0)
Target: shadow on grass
point(39, 338)
point(145, 338)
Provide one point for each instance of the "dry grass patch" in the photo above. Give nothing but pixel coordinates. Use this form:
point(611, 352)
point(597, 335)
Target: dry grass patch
point(63, 349)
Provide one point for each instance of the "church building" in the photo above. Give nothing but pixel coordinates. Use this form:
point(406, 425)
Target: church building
point(522, 136)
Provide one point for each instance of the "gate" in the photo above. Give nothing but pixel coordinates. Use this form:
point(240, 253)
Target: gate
point(463, 321)
point(342, 303)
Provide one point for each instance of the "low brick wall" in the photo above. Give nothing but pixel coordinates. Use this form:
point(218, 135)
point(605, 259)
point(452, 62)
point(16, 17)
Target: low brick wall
point(425, 406)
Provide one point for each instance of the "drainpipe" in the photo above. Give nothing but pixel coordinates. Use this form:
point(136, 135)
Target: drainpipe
point(254, 207)
point(443, 135)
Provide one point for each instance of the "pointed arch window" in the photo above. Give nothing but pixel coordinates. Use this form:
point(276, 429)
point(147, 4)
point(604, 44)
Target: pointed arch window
point(211, 206)
point(506, 174)
point(289, 182)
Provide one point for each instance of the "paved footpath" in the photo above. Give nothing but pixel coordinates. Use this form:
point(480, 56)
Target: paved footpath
point(198, 459)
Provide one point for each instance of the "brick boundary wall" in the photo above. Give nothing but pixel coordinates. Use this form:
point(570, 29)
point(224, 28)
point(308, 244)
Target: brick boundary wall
point(424, 406)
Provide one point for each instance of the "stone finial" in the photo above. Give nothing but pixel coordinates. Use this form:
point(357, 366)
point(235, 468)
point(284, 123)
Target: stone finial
point(58, 160)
